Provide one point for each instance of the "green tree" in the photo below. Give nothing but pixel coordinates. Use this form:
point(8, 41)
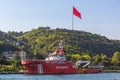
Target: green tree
point(96, 59)
point(75, 57)
point(87, 57)
point(116, 58)
point(105, 61)
point(3, 60)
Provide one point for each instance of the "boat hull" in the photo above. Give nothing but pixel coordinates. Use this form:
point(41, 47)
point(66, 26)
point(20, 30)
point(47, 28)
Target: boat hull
point(49, 67)
point(54, 67)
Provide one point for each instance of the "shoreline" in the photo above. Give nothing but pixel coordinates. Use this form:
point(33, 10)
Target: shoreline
point(12, 73)
point(104, 71)
point(110, 71)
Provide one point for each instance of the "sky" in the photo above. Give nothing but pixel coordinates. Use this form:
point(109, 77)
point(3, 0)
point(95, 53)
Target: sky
point(98, 16)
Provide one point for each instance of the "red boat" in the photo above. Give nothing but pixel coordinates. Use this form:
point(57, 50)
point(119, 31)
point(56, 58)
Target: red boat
point(56, 63)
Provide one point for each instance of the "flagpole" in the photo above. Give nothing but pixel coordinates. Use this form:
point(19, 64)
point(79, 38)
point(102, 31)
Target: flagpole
point(77, 14)
point(72, 22)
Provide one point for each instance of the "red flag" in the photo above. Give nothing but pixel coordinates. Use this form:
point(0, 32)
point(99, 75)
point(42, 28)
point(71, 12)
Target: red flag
point(76, 12)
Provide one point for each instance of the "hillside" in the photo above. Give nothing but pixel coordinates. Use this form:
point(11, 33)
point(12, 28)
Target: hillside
point(79, 45)
point(7, 42)
point(45, 40)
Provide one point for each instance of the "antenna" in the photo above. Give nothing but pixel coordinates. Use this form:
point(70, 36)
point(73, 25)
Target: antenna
point(61, 43)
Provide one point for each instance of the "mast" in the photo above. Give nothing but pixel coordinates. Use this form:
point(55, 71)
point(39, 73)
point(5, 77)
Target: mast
point(76, 13)
point(61, 44)
point(72, 22)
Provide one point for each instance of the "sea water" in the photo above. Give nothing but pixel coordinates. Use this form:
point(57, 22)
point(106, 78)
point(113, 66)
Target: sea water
point(98, 76)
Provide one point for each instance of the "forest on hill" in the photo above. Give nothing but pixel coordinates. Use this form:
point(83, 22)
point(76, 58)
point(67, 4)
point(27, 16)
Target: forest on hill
point(44, 40)
point(39, 43)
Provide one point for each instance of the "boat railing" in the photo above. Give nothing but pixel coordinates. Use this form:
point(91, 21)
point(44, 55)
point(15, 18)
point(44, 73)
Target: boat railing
point(86, 63)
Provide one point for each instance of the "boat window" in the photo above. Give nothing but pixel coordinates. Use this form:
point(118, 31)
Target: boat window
point(58, 62)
